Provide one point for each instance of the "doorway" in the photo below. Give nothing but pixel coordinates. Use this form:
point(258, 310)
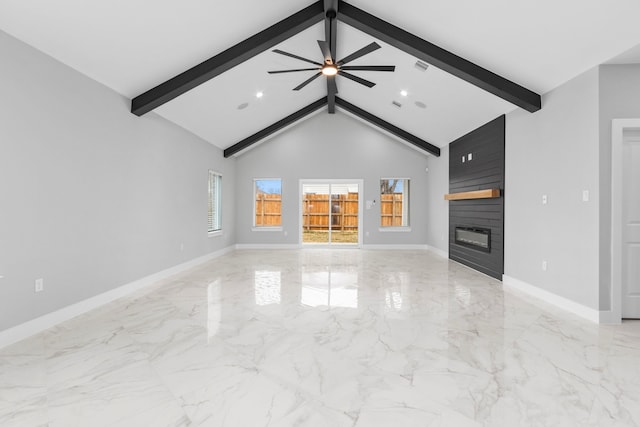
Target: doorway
point(330, 212)
point(625, 261)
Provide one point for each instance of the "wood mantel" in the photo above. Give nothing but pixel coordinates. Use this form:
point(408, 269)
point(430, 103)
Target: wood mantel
point(490, 193)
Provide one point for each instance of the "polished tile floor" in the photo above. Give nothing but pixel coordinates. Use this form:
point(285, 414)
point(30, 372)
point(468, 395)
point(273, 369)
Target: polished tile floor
point(325, 338)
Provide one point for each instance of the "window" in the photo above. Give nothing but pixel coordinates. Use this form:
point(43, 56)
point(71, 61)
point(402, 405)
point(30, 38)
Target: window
point(215, 202)
point(267, 203)
point(394, 202)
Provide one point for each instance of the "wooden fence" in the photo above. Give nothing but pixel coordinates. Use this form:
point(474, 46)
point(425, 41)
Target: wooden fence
point(391, 210)
point(268, 210)
point(315, 213)
point(344, 211)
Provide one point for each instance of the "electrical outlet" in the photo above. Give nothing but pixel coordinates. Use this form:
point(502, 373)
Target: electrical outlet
point(181, 247)
point(286, 233)
point(39, 286)
point(544, 265)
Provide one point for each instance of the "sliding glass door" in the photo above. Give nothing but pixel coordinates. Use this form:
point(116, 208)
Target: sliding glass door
point(330, 212)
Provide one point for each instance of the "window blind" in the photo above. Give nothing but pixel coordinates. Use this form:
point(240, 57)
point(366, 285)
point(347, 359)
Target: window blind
point(215, 200)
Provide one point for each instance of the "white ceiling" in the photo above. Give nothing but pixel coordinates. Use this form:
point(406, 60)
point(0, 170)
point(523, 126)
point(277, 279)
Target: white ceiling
point(133, 45)
point(631, 56)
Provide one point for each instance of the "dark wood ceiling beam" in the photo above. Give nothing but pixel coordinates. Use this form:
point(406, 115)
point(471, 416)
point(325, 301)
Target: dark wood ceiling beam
point(331, 25)
point(290, 119)
point(228, 59)
point(441, 58)
point(330, 31)
point(394, 130)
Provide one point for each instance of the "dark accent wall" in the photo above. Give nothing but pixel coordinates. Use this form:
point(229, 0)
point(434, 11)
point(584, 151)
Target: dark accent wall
point(485, 170)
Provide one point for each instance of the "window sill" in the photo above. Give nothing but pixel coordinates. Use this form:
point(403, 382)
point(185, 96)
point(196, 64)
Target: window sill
point(214, 233)
point(394, 229)
point(266, 229)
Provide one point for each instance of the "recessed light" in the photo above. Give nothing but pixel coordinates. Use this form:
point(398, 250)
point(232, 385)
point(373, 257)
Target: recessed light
point(259, 95)
point(404, 93)
point(421, 104)
point(243, 106)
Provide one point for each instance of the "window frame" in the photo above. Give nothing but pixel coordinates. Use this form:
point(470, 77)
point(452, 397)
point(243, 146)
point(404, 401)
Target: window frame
point(214, 203)
point(256, 227)
point(406, 191)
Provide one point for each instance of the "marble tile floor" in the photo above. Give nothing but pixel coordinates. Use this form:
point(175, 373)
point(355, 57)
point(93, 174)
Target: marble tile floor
point(324, 338)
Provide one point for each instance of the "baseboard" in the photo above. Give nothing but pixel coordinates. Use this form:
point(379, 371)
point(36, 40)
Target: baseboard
point(443, 254)
point(396, 247)
point(510, 283)
point(32, 327)
point(242, 246)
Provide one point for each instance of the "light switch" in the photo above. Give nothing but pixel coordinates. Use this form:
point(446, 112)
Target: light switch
point(544, 199)
point(463, 159)
point(585, 195)
point(470, 156)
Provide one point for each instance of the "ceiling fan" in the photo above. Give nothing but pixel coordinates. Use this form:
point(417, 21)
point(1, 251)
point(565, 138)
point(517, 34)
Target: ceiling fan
point(330, 68)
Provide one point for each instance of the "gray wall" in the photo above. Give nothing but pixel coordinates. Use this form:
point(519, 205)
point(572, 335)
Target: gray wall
point(437, 206)
point(555, 151)
point(618, 100)
point(92, 197)
point(331, 147)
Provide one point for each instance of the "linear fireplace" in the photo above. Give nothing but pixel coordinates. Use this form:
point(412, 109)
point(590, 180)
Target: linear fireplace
point(474, 237)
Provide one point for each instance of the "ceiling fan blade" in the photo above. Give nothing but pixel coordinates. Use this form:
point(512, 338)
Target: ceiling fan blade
point(326, 51)
point(306, 82)
point(369, 67)
point(282, 52)
point(360, 80)
point(332, 87)
point(292, 71)
point(358, 53)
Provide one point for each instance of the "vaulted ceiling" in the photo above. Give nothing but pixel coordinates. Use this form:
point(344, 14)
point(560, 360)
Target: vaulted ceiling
point(133, 46)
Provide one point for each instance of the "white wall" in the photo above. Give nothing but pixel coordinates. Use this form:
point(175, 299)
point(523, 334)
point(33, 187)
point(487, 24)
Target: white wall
point(618, 100)
point(91, 196)
point(331, 147)
point(555, 151)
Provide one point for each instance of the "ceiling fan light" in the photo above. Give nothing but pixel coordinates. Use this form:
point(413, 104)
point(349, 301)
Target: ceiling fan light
point(329, 70)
